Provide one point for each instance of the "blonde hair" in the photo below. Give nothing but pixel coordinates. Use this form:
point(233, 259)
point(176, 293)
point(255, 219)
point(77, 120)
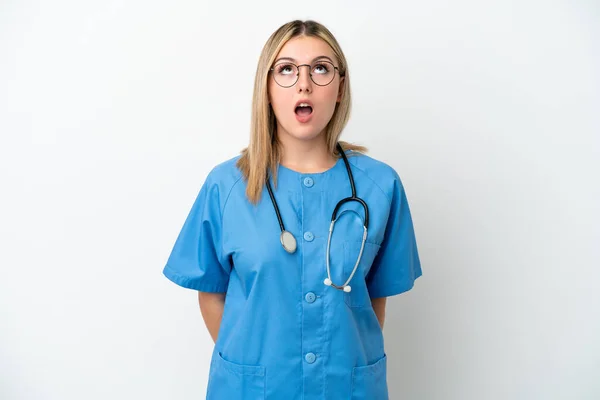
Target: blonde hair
point(263, 152)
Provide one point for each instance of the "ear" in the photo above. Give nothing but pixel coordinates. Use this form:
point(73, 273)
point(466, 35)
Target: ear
point(341, 89)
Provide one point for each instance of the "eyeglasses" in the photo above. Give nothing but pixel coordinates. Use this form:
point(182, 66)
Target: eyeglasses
point(286, 73)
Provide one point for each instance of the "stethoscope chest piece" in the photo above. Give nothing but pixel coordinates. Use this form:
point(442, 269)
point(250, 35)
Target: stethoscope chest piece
point(288, 241)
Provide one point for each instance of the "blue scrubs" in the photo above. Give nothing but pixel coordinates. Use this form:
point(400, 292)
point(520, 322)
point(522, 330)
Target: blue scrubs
point(284, 334)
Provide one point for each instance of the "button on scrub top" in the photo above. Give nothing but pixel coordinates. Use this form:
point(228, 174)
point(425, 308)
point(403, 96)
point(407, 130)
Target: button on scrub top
point(284, 334)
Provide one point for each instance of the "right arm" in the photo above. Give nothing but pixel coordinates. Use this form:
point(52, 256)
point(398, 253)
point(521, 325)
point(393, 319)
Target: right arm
point(211, 308)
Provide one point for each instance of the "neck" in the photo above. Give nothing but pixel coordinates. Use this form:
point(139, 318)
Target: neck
point(305, 156)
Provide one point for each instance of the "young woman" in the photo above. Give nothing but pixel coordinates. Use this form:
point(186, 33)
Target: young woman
point(294, 245)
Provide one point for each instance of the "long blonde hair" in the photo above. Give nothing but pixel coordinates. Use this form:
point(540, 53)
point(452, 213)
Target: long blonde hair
point(263, 152)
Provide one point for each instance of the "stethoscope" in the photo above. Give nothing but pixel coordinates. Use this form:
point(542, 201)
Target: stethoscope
point(288, 241)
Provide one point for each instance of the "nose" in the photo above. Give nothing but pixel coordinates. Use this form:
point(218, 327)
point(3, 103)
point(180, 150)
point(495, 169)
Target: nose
point(304, 82)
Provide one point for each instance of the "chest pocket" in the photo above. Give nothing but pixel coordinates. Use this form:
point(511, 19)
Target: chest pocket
point(359, 296)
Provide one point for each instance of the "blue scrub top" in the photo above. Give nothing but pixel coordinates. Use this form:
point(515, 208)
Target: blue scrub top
point(284, 334)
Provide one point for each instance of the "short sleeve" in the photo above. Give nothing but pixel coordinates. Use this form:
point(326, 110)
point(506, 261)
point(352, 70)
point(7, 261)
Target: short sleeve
point(397, 264)
point(196, 261)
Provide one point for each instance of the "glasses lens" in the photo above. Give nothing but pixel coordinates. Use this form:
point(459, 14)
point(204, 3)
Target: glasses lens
point(322, 72)
point(285, 74)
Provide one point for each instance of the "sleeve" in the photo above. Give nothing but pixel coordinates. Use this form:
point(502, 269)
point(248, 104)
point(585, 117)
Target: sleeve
point(196, 261)
point(397, 264)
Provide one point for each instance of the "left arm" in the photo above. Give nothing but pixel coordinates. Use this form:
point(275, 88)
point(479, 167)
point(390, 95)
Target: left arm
point(379, 308)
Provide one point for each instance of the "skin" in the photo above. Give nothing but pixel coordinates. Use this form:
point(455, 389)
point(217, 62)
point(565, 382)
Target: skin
point(303, 144)
point(211, 308)
point(379, 308)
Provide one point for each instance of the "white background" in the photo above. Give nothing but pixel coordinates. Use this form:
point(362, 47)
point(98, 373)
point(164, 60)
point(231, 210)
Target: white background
point(112, 113)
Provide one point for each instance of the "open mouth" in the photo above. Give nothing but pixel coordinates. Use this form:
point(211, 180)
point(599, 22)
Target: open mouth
point(303, 111)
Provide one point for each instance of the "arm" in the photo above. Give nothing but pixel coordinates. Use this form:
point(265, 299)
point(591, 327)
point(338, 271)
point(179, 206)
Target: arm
point(379, 308)
point(211, 308)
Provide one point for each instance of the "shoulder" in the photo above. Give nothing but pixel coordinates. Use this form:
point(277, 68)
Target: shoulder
point(381, 173)
point(226, 172)
point(222, 178)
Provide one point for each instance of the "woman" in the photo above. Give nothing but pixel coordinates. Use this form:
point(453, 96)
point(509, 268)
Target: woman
point(294, 303)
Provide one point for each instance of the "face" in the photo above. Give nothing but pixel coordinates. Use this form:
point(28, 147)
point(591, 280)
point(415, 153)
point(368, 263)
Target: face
point(304, 123)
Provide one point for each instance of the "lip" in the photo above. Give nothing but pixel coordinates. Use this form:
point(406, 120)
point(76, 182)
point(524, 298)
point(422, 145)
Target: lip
point(304, 118)
point(304, 101)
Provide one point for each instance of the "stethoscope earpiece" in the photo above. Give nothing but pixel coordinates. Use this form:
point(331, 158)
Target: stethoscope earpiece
point(346, 288)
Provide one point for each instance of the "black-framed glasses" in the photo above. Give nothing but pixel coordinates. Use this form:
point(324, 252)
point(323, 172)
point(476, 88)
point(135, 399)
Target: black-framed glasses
point(286, 74)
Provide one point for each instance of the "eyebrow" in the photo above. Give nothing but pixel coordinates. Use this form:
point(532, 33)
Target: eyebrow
point(294, 60)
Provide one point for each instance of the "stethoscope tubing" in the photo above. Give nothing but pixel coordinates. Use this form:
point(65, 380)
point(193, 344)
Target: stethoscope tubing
point(291, 247)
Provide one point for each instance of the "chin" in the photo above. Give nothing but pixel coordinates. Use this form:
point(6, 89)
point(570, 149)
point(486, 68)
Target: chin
point(305, 135)
point(306, 132)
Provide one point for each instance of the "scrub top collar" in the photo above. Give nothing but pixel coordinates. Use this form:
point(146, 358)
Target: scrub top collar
point(292, 180)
